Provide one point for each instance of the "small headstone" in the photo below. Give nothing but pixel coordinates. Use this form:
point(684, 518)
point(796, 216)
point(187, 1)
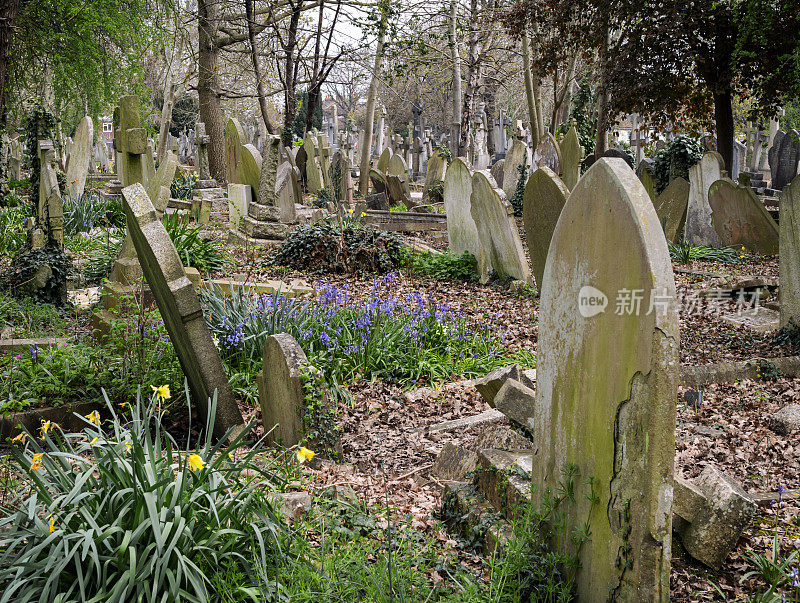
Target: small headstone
point(497, 172)
point(740, 218)
point(238, 202)
point(497, 229)
point(435, 172)
point(699, 230)
point(285, 193)
point(607, 382)
point(645, 173)
point(181, 311)
point(545, 196)
point(571, 157)
point(517, 155)
point(772, 153)
point(671, 207)
point(80, 157)
point(787, 158)
point(547, 154)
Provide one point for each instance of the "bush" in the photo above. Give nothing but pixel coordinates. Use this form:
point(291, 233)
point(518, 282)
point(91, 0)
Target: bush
point(675, 159)
point(400, 340)
point(183, 186)
point(12, 233)
point(122, 513)
point(339, 247)
point(30, 319)
point(92, 209)
point(207, 255)
point(445, 265)
point(519, 191)
point(49, 264)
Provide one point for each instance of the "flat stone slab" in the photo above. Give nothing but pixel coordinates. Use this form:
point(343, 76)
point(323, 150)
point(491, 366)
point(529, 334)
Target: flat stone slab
point(405, 221)
point(13, 346)
point(786, 420)
point(486, 416)
point(64, 416)
point(290, 290)
point(725, 372)
point(760, 320)
point(454, 463)
point(505, 480)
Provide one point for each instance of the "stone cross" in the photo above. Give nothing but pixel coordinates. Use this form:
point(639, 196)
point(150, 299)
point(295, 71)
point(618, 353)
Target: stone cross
point(324, 154)
point(50, 211)
point(130, 140)
point(203, 140)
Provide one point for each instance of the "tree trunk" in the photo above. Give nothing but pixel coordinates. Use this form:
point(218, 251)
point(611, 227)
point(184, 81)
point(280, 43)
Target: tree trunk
point(166, 115)
point(208, 84)
point(315, 83)
point(561, 98)
point(9, 10)
point(290, 79)
point(465, 138)
point(455, 125)
point(262, 93)
point(369, 118)
point(723, 115)
point(533, 117)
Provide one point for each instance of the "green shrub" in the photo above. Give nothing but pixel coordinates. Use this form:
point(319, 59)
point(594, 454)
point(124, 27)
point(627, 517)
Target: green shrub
point(675, 159)
point(519, 191)
point(183, 186)
point(339, 247)
point(12, 233)
point(30, 319)
point(120, 512)
point(445, 265)
point(207, 255)
point(407, 340)
point(92, 209)
point(30, 265)
point(686, 252)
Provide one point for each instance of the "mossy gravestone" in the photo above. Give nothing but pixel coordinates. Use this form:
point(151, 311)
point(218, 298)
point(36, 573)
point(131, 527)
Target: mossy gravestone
point(702, 175)
point(313, 168)
point(497, 229)
point(435, 172)
point(79, 158)
point(462, 234)
point(671, 207)
point(181, 311)
point(607, 383)
point(740, 218)
point(517, 155)
point(545, 195)
point(548, 154)
point(243, 161)
point(789, 292)
point(571, 157)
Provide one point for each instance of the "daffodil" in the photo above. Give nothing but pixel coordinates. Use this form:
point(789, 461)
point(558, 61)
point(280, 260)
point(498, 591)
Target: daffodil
point(161, 392)
point(93, 442)
point(128, 446)
point(350, 211)
point(195, 462)
point(304, 454)
point(363, 214)
point(18, 439)
point(52, 522)
point(45, 426)
point(94, 417)
point(36, 461)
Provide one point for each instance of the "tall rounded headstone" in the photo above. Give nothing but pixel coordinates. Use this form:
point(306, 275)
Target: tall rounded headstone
point(702, 175)
point(462, 234)
point(79, 158)
point(789, 290)
point(234, 137)
point(740, 218)
point(545, 196)
point(671, 208)
point(571, 157)
point(787, 158)
point(607, 380)
point(517, 156)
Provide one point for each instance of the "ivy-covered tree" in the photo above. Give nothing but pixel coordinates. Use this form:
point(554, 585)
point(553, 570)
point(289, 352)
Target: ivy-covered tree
point(301, 116)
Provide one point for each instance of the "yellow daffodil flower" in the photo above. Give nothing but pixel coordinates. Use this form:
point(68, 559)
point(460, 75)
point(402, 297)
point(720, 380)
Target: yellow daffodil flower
point(195, 462)
point(94, 417)
point(93, 442)
point(36, 461)
point(304, 454)
point(52, 523)
point(363, 214)
point(18, 439)
point(350, 211)
point(161, 392)
point(128, 446)
point(45, 426)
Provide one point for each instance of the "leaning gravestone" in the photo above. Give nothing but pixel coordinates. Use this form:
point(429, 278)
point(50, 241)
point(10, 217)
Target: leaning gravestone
point(545, 196)
point(285, 184)
point(497, 229)
point(397, 167)
point(383, 161)
point(434, 173)
point(243, 161)
point(789, 291)
point(571, 157)
point(462, 234)
point(606, 385)
point(80, 158)
point(547, 154)
point(497, 172)
point(702, 175)
point(772, 154)
point(517, 155)
point(645, 173)
point(671, 208)
point(313, 168)
point(739, 218)
point(787, 158)
point(181, 311)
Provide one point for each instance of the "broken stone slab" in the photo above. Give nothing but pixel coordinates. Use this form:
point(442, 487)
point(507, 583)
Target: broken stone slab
point(518, 402)
point(293, 505)
point(760, 320)
point(786, 420)
point(467, 513)
point(504, 478)
point(489, 385)
point(465, 423)
point(502, 437)
point(454, 463)
point(768, 499)
point(710, 515)
point(725, 372)
point(13, 346)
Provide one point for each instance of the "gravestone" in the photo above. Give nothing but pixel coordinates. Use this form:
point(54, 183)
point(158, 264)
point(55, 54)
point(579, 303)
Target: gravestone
point(702, 175)
point(517, 155)
point(571, 157)
point(619, 154)
point(50, 209)
point(671, 207)
point(243, 161)
point(787, 158)
point(544, 198)
point(789, 257)
point(324, 150)
point(285, 193)
point(739, 159)
point(606, 385)
point(383, 160)
point(180, 310)
point(341, 176)
point(15, 160)
point(238, 202)
point(269, 171)
point(203, 140)
point(547, 154)
point(772, 153)
point(80, 158)
point(497, 229)
point(398, 167)
point(149, 164)
point(130, 140)
point(313, 168)
point(497, 171)
point(645, 173)
point(462, 234)
point(435, 173)
point(740, 218)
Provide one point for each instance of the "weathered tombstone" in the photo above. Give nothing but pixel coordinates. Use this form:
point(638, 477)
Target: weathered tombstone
point(787, 157)
point(285, 193)
point(269, 171)
point(544, 198)
point(80, 158)
point(740, 218)
point(789, 257)
point(313, 169)
point(15, 160)
point(772, 153)
point(517, 155)
point(203, 140)
point(324, 151)
point(619, 154)
point(243, 161)
point(341, 177)
point(238, 202)
point(497, 229)
point(671, 207)
point(497, 171)
point(435, 173)
point(571, 157)
point(462, 234)
point(148, 164)
point(547, 154)
point(606, 385)
point(739, 159)
point(383, 160)
point(644, 171)
point(702, 175)
point(50, 209)
point(130, 141)
point(398, 167)
point(181, 311)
